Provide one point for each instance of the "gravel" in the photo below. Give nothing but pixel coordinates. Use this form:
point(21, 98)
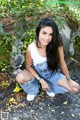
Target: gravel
point(61, 107)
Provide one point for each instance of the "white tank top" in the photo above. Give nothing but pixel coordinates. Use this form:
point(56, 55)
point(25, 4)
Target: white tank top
point(35, 55)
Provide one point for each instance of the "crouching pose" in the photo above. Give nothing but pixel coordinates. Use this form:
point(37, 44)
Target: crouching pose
point(43, 58)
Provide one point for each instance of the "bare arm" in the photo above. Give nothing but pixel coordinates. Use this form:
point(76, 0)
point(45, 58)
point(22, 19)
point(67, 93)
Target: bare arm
point(62, 62)
point(73, 85)
point(29, 62)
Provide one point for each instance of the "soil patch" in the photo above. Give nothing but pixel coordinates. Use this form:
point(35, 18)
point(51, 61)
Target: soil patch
point(61, 107)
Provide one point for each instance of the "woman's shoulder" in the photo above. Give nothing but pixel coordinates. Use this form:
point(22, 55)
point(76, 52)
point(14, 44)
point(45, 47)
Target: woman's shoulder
point(32, 44)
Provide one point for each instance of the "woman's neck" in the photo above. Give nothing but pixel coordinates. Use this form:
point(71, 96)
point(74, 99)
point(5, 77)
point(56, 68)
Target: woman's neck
point(41, 46)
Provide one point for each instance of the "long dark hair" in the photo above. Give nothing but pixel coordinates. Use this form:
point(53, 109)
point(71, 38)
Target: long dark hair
point(52, 47)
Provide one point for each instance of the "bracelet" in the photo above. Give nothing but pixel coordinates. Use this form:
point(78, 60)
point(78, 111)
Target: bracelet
point(68, 78)
point(38, 78)
point(28, 65)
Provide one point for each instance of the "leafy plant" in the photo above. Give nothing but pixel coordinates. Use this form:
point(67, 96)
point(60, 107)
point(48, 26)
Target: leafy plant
point(25, 15)
point(4, 83)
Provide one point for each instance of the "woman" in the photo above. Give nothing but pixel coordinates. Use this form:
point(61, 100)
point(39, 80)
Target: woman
point(43, 58)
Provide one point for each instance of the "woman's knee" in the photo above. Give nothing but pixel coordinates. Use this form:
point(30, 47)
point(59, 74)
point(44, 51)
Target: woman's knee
point(62, 82)
point(20, 78)
point(23, 77)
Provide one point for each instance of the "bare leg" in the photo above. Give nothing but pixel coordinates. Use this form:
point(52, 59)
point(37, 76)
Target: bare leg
point(64, 83)
point(31, 88)
point(23, 77)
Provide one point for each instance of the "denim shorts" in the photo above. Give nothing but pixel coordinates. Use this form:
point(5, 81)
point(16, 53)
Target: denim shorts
point(32, 87)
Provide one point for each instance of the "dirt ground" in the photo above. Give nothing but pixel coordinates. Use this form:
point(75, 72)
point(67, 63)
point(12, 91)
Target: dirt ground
point(61, 107)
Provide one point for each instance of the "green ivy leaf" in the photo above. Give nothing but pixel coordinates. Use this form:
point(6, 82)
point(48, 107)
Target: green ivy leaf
point(4, 83)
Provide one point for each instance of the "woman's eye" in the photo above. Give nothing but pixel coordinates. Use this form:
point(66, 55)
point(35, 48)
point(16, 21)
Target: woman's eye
point(44, 33)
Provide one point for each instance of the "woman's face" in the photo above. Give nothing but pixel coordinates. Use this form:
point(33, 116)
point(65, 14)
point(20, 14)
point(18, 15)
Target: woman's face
point(45, 36)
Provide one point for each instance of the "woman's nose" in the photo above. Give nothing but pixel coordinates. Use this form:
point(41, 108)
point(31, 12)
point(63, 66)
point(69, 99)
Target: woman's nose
point(47, 36)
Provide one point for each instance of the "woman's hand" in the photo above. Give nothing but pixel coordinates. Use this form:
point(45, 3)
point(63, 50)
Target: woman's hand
point(44, 85)
point(74, 86)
